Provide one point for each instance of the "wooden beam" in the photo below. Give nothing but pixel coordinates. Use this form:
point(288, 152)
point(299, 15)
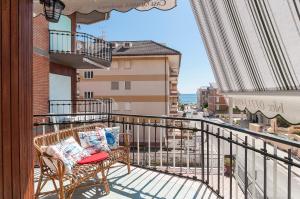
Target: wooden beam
point(16, 150)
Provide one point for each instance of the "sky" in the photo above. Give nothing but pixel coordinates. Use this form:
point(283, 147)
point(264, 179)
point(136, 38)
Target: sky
point(176, 28)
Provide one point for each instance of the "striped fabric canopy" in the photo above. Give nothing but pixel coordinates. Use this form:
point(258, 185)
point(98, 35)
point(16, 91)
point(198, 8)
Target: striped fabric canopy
point(254, 50)
point(103, 6)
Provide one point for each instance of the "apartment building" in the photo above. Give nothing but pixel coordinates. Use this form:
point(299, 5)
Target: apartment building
point(57, 54)
point(142, 79)
point(202, 97)
point(216, 101)
point(212, 98)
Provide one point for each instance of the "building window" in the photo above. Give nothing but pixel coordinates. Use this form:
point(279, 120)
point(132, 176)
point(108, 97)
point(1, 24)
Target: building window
point(88, 74)
point(217, 99)
point(217, 107)
point(127, 85)
point(114, 85)
point(88, 95)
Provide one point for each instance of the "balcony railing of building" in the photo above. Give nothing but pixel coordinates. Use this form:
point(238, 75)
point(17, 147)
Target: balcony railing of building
point(96, 106)
point(231, 161)
point(82, 44)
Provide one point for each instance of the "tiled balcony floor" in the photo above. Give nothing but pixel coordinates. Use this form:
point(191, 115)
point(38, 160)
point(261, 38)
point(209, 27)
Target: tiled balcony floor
point(142, 183)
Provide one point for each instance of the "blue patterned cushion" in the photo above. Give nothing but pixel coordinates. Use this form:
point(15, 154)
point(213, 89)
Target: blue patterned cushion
point(112, 137)
point(94, 141)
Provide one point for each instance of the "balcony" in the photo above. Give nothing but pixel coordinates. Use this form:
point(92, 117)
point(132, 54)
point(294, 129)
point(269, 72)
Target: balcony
point(79, 50)
point(194, 158)
point(173, 74)
point(174, 106)
point(174, 92)
point(70, 108)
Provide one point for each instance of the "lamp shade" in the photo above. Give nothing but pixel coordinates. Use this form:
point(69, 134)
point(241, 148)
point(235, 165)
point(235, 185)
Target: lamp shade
point(53, 9)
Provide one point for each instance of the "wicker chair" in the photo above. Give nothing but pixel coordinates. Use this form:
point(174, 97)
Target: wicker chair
point(80, 173)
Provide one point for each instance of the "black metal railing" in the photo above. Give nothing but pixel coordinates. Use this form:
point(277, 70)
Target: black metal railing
point(79, 43)
point(96, 106)
point(231, 161)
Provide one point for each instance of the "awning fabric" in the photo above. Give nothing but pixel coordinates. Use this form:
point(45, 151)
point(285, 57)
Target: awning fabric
point(254, 50)
point(103, 6)
point(270, 105)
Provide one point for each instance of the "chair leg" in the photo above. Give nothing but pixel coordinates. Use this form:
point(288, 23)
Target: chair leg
point(70, 193)
point(128, 164)
point(61, 190)
point(38, 189)
point(105, 182)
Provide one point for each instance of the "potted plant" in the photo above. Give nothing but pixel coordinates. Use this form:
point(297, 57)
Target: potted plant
point(228, 169)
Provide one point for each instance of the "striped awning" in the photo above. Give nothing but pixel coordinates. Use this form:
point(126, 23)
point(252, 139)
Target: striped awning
point(254, 51)
point(104, 6)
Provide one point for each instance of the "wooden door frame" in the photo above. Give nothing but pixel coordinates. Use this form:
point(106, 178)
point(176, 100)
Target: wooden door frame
point(16, 148)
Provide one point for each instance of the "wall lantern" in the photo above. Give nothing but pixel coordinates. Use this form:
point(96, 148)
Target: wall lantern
point(52, 9)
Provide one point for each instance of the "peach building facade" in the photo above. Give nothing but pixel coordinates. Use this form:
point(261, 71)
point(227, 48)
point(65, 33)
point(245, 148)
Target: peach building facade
point(142, 79)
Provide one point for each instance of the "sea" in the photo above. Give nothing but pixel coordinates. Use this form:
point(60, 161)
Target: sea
point(188, 98)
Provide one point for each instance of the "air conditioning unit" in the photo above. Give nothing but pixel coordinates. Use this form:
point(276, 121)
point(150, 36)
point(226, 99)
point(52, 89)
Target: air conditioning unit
point(127, 45)
point(114, 45)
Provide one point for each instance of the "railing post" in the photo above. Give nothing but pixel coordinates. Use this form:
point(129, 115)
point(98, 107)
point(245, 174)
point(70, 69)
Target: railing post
point(174, 156)
point(246, 167)
point(275, 173)
point(230, 185)
point(149, 144)
point(265, 169)
point(253, 170)
point(223, 152)
point(181, 138)
point(289, 188)
point(188, 153)
point(202, 150)
point(160, 142)
point(195, 151)
point(207, 153)
point(236, 167)
point(138, 141)
point(218, 137)
point(49, 106)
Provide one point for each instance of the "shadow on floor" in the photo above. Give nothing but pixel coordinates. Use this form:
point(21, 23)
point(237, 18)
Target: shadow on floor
point(141, 183)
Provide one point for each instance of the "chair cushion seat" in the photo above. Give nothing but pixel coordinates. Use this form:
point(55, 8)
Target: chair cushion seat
point(95, 158)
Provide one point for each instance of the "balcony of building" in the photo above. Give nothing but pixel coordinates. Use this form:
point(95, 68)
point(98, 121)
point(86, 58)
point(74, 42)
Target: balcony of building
point(192, 158)
point(174, 105)
point(79, 50)
point(173, 108)
point(174, 73)
point(71, 108)
point(174, 92)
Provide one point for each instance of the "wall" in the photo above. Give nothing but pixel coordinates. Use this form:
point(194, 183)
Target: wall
point(147, 77)
point(40, 65)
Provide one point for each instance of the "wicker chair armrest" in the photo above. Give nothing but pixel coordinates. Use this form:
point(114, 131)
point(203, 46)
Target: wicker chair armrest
point(127, 137)
point(53, 164)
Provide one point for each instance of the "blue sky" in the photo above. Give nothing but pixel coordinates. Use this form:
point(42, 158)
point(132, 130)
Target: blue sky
point(176, 28)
